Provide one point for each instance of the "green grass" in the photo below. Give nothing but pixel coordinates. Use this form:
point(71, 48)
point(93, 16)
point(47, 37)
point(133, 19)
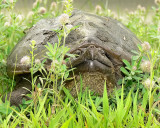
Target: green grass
point(135, 104)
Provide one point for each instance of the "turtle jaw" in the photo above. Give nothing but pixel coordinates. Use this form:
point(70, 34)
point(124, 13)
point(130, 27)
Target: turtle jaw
point(91, 59)
point(94, 67)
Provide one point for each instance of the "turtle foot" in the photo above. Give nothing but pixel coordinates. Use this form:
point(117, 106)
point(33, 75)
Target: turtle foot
point(23, 87)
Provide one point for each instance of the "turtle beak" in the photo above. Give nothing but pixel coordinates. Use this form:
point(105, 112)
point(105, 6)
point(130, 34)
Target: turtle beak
point(91, 52)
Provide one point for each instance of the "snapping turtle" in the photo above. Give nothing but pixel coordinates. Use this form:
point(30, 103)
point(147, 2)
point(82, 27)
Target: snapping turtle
point(100, 42)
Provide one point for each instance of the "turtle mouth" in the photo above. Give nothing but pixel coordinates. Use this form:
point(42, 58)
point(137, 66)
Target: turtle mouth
point(91, 58)
point(94, 65)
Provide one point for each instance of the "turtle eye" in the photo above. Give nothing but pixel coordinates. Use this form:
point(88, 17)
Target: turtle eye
point(78, 52)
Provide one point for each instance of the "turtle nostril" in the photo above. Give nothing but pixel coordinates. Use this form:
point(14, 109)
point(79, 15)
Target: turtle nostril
point(92, 46)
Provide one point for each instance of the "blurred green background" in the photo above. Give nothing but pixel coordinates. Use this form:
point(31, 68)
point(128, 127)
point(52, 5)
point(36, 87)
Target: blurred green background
point(89, 5)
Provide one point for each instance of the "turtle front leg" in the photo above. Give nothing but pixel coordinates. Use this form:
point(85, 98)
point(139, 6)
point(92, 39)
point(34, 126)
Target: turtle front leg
point(23, 87)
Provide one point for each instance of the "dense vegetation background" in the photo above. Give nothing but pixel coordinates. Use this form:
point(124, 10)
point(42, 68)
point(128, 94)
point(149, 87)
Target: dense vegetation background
point(135, 104)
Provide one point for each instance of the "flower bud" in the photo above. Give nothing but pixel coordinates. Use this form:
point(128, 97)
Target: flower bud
point(132, 13)
point(142, 9)
point(69, 27)
point(157, 2)
point(53, 6)
point(35, 4)
point(134, 68)
point(148, 83)
point(37, 61)
point(19, 18)
point(39, 90)
point(42, 10)
point(30, 14)
point(146, 46)
point(158, 80)
point(63, 19)
point(98, 9)
point(64, 62)
point(11, 1)
point(6, 24)
point(33, 42)
point(54, 63)
point(146, 66)
point(53, 111)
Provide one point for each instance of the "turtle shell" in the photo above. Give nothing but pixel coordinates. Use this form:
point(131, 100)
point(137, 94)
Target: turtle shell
point(104, 32)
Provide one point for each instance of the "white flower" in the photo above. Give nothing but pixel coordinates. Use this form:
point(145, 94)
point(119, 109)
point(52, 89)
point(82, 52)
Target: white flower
point(146, 66)
point(98, 9)
point(157, 2)
point(35, 4)
point(69, 26)
point(64, 62)
point(54, 62)
point(63, 19)
point(53, 6)
point(132, 13)
point(146, 46)
point(30, 14)
point(11, 1)
point(158, 80)
point(134, 68)
point(25, 60)
point(42, 10)
point(6, 24)
point(37, 61)
point(52, 66)
point(148, 83)
point(142, 9)
point(19, 18)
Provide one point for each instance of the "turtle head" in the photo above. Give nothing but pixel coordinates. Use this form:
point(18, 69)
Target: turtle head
point(95, 64)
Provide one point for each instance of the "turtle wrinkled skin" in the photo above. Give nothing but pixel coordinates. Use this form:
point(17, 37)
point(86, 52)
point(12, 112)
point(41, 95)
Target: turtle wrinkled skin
point(100, 42)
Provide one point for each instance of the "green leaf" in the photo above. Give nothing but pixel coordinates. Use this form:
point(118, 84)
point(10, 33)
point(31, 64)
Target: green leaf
point(135, 52)
point(66, 124)
point(139, 47)
point(41, 105)
point(135, 108)
point(105, 105)
point(119, 82)
point(135, 57)
point(144, 102)
point(70, 55)
point(55, 121)
point(129, 78)
point(124, 71)
point(5, 107)
point(127, 105)
point(127, 64)
point(94, 110)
